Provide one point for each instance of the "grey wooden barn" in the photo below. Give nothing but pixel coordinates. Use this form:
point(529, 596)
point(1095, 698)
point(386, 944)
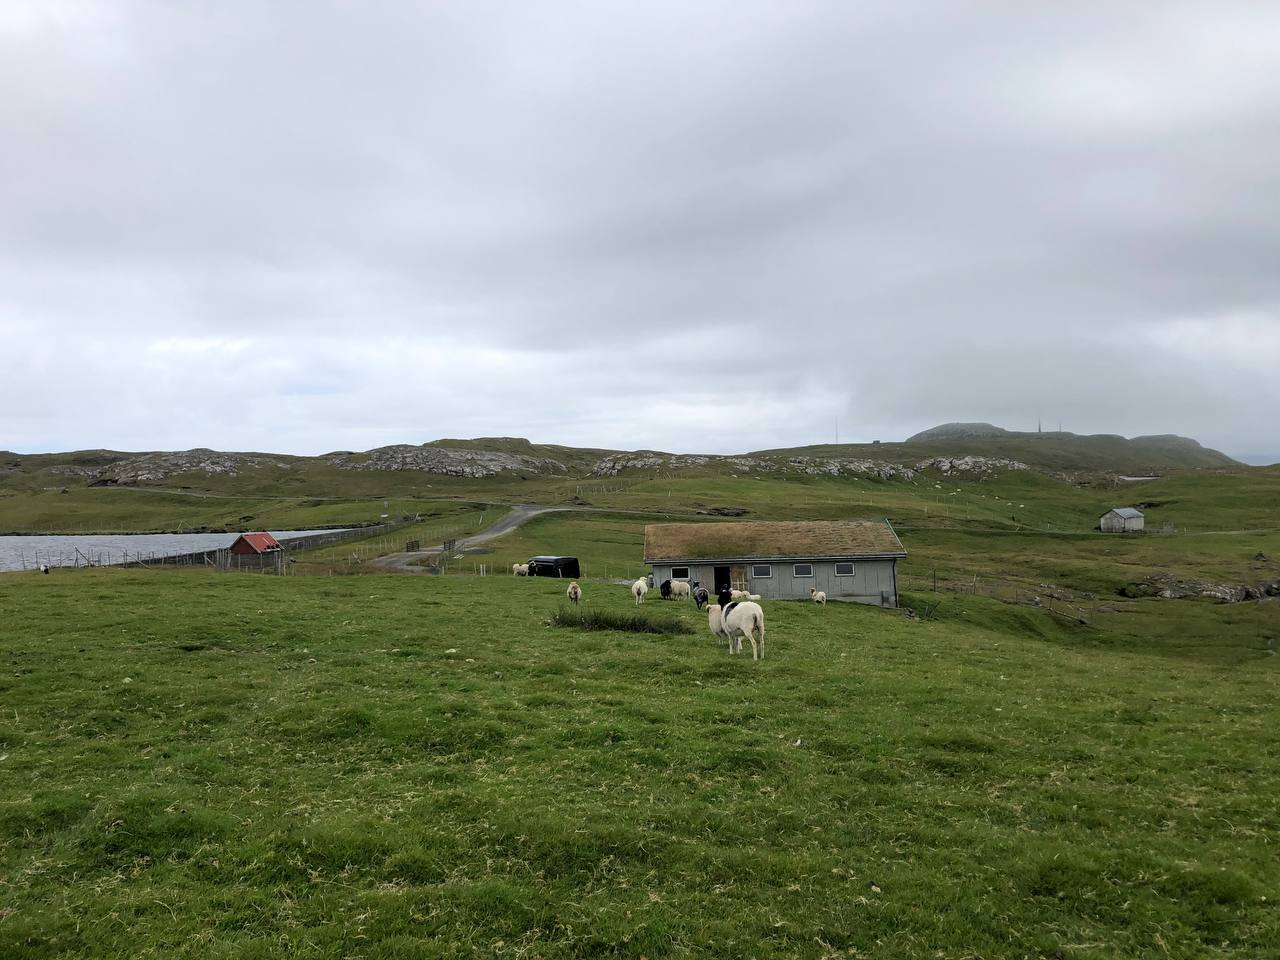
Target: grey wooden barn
point(846, 559)
point(1122, 520)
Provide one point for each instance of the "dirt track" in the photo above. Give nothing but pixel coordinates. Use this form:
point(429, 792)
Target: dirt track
point(404, 562)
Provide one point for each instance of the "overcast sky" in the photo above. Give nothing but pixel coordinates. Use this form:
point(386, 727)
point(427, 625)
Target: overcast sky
point(691, 226)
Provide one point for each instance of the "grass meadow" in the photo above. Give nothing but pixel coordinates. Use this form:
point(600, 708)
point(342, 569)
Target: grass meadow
point(218, 766)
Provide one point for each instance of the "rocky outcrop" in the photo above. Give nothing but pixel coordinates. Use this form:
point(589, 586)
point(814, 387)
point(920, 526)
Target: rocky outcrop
point(1171, 588)
point(153, 467)
point(813, 466)
point(948, 465)
point(613, 465)
point(448, 461)
point(840, 467)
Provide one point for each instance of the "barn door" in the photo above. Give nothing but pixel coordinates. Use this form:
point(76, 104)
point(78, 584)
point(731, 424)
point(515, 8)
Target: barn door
point(722, 578)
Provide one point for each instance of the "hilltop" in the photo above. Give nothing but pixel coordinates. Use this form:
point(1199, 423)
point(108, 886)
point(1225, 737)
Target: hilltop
point(1058, 452)
point(973, 448)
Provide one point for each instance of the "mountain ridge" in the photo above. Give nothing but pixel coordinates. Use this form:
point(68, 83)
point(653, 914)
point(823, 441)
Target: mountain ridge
point(972, 448)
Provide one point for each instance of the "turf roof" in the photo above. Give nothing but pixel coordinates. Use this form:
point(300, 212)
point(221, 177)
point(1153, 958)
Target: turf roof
point(760, 540)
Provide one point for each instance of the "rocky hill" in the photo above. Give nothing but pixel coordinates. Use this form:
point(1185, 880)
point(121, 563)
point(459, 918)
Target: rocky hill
point(959, 431)
point(955, 449)
point(447, 461)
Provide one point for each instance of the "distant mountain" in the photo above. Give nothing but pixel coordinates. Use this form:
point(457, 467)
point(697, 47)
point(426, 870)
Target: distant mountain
point(959, 431)
point(1059, 452)
point(1259, 459)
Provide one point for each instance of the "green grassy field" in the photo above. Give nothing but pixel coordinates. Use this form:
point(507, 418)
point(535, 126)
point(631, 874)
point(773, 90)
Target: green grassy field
point(441, 521)
point(606, 545)
point(386, 766)
point(203, 765)
point(141, 510)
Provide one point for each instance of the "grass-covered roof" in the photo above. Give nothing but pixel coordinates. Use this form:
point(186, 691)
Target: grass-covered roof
point(757, 540)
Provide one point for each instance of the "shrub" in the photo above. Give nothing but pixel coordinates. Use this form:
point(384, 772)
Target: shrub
point(618, 620)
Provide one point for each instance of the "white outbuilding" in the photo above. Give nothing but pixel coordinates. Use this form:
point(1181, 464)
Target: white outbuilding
point(1122, 520)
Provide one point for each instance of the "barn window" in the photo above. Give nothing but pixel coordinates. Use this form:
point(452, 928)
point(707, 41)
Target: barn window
point(844, 569)
point(761, 571)
point(802, 570)
point(679, 573)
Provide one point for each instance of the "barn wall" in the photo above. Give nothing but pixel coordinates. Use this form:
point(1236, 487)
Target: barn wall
point(870, 581)
point(702, 572)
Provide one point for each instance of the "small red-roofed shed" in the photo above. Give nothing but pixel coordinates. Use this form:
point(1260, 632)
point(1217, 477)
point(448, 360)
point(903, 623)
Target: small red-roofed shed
point(255, 544)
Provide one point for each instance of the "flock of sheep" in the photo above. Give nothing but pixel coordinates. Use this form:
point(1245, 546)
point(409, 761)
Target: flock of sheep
point(742, 619)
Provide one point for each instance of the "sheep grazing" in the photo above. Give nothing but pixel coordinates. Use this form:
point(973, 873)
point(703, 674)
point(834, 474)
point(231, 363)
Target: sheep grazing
point(743, 595)
point(680, 590)
point(44, 568)
point(665, 589)
point(519, 569)
point(701, 596)
point(574, 592)
point(744, 619)
point(818, 596)
point(639, 589)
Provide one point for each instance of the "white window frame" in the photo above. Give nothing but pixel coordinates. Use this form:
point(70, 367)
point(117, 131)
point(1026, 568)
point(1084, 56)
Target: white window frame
point(795, 571)
point(767, 575)
point(846, 563)
point(679, 576)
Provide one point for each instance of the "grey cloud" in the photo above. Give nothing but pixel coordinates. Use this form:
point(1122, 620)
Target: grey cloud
point(737, 218)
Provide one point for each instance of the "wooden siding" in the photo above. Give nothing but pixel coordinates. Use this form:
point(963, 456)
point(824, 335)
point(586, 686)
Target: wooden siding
point(873, 581)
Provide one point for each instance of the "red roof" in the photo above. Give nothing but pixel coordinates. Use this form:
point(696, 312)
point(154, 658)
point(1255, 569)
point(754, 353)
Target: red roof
point(259, 542)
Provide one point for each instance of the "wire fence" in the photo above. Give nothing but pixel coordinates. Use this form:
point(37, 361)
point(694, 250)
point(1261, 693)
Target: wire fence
point(1075, 605)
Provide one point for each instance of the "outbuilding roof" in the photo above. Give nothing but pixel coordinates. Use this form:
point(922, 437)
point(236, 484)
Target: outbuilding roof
point(260, 542)
point(760, 540)
point(1128, 513)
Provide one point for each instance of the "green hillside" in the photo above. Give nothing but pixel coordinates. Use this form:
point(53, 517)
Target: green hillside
point(1066, 453)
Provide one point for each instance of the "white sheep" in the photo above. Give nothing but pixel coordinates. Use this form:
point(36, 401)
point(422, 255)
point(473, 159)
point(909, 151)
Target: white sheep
point(745, 619)
point(680, 590)
point(639, 589)
point(44, 568)
point(743, 595)
point(818, 596)
point(574, 593)
point(519, 569)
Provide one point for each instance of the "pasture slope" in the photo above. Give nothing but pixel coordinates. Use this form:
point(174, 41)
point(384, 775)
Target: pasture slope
point(217, 766)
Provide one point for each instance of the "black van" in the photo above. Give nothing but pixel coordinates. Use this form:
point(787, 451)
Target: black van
point(554, 567)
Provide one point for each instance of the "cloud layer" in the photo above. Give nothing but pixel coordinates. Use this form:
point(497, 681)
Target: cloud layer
point(697, 226)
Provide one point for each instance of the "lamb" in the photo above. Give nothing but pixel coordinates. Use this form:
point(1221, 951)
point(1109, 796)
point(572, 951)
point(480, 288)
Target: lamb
point(574, 592)
point(743, 595)
point(818, 596)
point(665, 589)
point(639, 589)
point(701, 597)
point(680, 590)
point(519, 569)
point(744, 619)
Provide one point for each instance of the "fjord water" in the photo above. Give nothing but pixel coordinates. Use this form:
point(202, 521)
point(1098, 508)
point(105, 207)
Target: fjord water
point(28, 552)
